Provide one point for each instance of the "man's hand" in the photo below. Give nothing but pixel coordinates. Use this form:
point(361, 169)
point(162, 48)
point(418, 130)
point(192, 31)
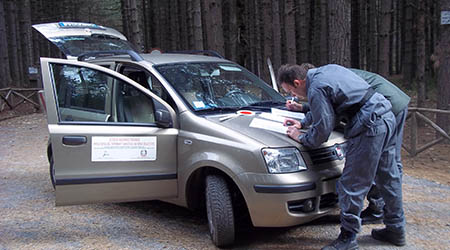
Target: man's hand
point(293, 132)
point(292, 122)
point(293, 106)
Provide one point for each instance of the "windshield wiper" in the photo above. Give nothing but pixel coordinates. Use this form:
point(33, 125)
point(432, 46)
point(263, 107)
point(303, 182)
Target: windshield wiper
point(263, 105)
point(255, 105)
point(218, 109)
point(267, 103)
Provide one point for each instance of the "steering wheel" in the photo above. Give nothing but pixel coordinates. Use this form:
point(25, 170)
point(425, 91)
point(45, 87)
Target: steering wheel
point(233, 92)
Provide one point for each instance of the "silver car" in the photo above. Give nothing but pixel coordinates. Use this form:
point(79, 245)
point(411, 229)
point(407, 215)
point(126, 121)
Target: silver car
point(198, 131)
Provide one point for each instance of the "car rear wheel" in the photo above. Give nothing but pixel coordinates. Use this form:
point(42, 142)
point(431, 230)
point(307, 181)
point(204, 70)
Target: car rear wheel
point(219, 208)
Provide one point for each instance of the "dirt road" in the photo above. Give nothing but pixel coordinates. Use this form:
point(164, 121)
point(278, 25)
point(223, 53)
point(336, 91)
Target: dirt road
point(29, 219)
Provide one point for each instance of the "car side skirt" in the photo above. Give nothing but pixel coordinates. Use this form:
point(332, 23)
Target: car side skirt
point(108, 179)
point(127, 191)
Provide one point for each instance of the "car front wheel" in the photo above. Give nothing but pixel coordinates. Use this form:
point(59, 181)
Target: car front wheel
point(219, 209)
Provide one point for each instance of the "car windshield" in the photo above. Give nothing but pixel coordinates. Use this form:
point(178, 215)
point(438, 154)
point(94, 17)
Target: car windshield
point(77, 45)
point(212, 86)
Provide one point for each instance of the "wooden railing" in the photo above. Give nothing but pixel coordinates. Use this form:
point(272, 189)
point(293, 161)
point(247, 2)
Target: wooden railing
point(14, 97)
point(415, 114)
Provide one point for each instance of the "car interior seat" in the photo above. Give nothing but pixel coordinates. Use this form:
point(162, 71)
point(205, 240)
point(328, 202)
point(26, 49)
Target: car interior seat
point(137, 107)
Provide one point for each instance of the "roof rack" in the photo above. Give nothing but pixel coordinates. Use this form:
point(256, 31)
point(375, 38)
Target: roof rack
point(203, 52)
point(134, 56)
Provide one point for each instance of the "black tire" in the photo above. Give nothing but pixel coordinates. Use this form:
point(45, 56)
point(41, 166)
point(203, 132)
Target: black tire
point(219, 208)
point(52, 171)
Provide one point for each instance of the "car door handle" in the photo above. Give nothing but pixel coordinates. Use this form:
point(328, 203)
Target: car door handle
point(74, 140)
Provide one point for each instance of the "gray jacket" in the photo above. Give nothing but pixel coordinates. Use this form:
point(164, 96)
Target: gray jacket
point(332, 90)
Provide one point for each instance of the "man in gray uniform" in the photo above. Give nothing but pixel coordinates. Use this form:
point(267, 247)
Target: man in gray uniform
point(334, 91)
point(399, 100)
point(373, 214)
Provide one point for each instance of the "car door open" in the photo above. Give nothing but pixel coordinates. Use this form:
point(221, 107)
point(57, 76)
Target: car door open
point(109, 139)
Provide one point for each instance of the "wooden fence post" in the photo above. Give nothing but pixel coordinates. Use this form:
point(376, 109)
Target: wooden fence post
point(413, 134)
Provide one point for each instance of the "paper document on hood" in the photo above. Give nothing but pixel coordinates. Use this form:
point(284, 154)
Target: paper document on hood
point(286, 113)
point(268, 125)
point(272, 117)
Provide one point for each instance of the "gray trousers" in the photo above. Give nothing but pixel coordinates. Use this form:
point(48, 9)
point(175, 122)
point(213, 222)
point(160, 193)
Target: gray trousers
point(371, 157)
point(376, 202)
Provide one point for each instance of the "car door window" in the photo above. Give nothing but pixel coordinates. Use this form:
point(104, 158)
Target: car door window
point(85, 94)
point(82, 93)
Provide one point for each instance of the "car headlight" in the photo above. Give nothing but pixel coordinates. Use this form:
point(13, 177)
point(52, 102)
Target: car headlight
point(283, 160)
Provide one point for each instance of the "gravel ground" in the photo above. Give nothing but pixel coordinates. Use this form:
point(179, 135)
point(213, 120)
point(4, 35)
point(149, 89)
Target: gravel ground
point(29, 219)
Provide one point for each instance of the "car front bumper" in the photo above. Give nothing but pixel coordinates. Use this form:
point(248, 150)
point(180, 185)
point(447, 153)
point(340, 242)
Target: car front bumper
point(279, 200)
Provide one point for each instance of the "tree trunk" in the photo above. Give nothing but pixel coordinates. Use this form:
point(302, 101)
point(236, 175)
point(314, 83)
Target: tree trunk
point(431, 20)
point(13, 48)
point(125, 17)
point(43, 44)
point(164, 22)
point(156, 25)
point(339, 24)
point(198, 29)
point(372, 53)
point(363, 32)
point(5, 77)
point(420, 72)
point(266, 8)
point(174, 27)
point(215, 31)
point(399, 36)
point(393, 39)
point(35, 18)
point(190, 24)
point(384, 31)
point(250, 35)
point(282, 32)
point(435, 27)
point(323, 55)
point(408, 41)
point(258, 38)
point(355, 36)
point(25, 39)
point(276, 35)
point(231, 30)
point(443, 120)
point(303, 41)
point(147, 25)
point(136, 32)
point(289, 29)
point(182, 25)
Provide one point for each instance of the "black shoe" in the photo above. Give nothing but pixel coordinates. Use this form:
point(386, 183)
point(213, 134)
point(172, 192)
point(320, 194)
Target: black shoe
point(396, 237)
point(345, 241)
point(371, 216)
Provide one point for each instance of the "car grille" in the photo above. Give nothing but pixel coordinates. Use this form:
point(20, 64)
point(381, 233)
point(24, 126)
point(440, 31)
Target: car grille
point(328, 200)
point(323, 155)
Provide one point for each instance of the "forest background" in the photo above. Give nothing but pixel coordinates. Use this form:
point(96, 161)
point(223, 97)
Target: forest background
point(404, 40)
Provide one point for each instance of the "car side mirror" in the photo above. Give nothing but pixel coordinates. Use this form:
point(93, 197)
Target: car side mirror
point(162, 118)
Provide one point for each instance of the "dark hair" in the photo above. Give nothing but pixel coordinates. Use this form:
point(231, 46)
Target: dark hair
point(287, 73)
